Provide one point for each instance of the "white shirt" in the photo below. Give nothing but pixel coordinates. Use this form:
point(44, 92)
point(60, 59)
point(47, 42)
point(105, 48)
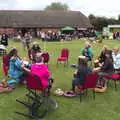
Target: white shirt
point(116, 60)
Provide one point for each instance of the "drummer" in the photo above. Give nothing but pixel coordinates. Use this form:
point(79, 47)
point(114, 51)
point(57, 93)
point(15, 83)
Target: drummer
point(101, 59)
point(105, 70)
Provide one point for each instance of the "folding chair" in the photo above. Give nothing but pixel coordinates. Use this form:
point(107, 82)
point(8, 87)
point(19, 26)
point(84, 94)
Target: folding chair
point(46, 57)
point(41, 102)
point(5, 59)
point(90, 83)
point(115, 77)
point(63, 56)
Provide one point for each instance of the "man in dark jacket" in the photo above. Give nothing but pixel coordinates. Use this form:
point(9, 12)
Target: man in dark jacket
point(102, 56)
point(105, 70)
point(4, 40)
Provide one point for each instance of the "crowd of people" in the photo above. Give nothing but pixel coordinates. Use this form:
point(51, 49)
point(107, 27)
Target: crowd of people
point(16, 67)
point(107, 63)
point(116, 35)
point(67, 35)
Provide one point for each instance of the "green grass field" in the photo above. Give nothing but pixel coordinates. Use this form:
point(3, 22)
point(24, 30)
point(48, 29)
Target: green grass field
point(104, 107)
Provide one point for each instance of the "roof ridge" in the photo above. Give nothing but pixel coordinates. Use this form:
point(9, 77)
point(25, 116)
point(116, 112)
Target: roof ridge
point(39, 11)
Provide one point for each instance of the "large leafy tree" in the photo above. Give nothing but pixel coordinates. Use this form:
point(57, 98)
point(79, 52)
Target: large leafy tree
point(100, 22)
point(57, 6)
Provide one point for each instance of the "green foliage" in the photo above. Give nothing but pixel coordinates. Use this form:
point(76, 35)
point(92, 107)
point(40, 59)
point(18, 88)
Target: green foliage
point(105, 107)
point(100, 22)
point(57, 6)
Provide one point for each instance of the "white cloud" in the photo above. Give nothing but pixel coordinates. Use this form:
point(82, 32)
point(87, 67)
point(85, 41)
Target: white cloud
point(106, 8)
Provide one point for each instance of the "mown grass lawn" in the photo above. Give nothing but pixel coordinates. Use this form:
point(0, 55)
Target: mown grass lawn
point(105, 107)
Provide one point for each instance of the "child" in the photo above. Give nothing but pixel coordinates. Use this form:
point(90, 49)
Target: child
point(40, 69)
point(80, 74)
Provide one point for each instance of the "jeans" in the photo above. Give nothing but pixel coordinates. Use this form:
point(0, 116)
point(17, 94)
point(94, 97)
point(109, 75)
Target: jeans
point(75, 82)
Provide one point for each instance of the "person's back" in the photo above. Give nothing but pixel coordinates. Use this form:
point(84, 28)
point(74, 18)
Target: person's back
point(107, 66)
point(42, 71)
point(82, 73)
point(102, 56)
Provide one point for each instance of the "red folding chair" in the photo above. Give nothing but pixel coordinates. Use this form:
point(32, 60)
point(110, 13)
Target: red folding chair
point(46, 57)
point(41, 102)
point(90, 83)
point(115, 77)
point(6, 60)
point(63, 56)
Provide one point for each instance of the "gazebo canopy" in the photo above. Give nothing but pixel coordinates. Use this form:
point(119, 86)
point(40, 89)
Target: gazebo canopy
point(67, 28)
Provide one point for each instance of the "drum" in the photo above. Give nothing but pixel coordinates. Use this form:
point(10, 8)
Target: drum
point(96, 63)
point(81, 57)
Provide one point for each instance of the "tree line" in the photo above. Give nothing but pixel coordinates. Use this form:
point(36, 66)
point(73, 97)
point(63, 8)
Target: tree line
point(100, 22)
point(97, 22)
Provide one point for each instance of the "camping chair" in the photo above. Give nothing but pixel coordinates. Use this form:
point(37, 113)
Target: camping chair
point(90, 83)
point(39, 101)
point(46, 57)
point(64, 56)
point(115, 77)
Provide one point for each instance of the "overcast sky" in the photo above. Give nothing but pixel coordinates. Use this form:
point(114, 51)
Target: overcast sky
point(108, 8)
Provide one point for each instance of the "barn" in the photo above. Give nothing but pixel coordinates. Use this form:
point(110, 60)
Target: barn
point(35, 21)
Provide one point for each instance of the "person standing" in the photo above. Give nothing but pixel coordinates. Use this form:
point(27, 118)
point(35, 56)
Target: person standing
point(4, 40)
point(27, 39)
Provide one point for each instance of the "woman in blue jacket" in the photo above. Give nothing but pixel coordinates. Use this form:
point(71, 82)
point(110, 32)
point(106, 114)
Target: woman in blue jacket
point(15, 67)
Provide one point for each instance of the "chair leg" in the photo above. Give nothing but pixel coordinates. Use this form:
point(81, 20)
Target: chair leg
point(23, 114)
point(93, 94)
point(24, 103)
point(115, 84)
point(108, 82)
point(57, 63)
point(86, 91)
point(80, 97)
point(91, 64)
point(65, 63)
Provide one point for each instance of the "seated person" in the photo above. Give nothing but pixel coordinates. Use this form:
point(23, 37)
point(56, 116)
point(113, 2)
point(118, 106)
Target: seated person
point(105, 70)
point(41, 70)
point(87, 52)
point(116, 59)
point(81, 72)
point(15, 67)
point(102, 56)
point(33, 51)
